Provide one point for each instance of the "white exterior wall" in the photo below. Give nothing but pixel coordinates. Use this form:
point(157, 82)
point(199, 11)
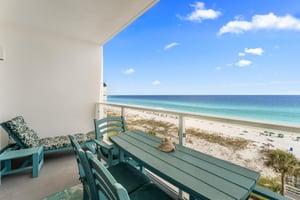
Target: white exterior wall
point(52, 80)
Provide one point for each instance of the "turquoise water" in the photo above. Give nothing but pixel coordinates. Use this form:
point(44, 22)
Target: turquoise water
point(283, 109)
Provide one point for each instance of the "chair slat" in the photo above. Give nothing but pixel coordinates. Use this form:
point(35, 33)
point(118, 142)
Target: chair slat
point(108, 125)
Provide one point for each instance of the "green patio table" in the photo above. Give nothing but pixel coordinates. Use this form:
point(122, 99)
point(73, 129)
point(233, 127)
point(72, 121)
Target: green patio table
point(201, 175)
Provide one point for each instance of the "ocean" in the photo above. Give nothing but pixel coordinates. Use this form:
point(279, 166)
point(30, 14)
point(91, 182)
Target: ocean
point(283, 109)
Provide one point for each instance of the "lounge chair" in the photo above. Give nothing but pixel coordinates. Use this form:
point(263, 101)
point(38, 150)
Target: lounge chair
point(108, 126)
point(27, 144)
point(26, 137)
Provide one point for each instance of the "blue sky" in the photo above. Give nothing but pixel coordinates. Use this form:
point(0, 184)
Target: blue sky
point(208, 47)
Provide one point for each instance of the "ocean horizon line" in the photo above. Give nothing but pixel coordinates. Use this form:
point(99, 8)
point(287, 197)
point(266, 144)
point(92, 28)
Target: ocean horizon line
point(283, 109)
point(203, 95)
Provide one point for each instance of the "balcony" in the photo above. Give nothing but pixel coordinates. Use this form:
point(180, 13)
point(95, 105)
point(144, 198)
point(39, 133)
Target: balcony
point(54, 177)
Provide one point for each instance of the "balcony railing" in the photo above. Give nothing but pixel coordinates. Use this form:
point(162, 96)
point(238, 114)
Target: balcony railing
point(102, 109)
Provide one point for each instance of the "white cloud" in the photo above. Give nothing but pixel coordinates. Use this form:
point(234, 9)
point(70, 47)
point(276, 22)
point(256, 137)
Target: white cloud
point(258, 22)
point(156, 82)
point(243, 63)
point(242, 54)
point(200, 13)
point(129, 71)
point(173, 44)
point(255, 51)
point(218, 68)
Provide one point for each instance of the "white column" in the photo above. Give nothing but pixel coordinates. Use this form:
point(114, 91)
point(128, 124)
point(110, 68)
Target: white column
point(102, 98)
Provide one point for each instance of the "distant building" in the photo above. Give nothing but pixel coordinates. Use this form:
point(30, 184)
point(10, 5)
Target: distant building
point(104, 92)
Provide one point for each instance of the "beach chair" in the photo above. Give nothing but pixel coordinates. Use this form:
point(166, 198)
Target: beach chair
point(107, 127)
point(280, 135)
point(25, 137)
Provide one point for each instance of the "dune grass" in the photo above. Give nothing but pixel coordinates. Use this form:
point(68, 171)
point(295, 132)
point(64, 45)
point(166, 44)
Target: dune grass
point(231, 142)
point(152, 126)
point(165, 128)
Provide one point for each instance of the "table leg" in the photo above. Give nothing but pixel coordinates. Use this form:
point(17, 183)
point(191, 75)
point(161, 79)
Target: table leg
point(1, 170)
point(35, 165)
point(122, 157)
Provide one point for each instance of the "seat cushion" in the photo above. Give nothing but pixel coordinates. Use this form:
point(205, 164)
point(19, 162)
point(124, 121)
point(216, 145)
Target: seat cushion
point(91, 136)
point(55, 142)
point(29, 138)
point(149, 191)
point(125, 173)
point(61, 141)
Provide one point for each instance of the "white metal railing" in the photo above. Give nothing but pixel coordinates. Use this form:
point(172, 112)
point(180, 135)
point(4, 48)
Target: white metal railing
point(182, 115)
point(292, 190)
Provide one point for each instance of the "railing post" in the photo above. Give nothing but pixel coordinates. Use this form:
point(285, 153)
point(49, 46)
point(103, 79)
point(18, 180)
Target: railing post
point(181, 129)
point(100, 111)
point(122, 111)
point(97, 111)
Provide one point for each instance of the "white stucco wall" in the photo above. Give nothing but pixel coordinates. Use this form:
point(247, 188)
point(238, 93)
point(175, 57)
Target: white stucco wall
point(52, 80)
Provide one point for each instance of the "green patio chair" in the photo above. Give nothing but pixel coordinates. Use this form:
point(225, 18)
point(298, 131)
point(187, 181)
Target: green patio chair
point(109, 126)
point(82, 161)
point(124, 173)
point(108, 187)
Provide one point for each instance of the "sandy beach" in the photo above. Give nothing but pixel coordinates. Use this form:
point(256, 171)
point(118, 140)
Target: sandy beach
point(261, 139)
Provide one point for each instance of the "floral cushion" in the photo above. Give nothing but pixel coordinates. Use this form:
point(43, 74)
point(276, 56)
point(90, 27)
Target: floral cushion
point(55, 142)
point(91, 136)
point(62, 141)
point(29, 137)
point(17, 124)
point(26, 135)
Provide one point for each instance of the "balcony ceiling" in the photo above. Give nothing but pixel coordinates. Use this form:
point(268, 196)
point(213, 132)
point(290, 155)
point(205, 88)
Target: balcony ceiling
point(91, 20)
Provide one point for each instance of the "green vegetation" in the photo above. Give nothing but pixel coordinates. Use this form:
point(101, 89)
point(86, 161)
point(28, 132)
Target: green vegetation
point(282, 162)
point(159, 127)
point(234, 143)
point(270, 183)
point(153, 127)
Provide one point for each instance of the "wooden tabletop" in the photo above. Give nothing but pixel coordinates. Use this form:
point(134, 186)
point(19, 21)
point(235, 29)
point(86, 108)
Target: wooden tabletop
point(201, 175)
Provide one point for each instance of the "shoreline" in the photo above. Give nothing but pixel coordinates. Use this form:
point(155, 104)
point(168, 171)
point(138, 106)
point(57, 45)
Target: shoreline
point(246, 122)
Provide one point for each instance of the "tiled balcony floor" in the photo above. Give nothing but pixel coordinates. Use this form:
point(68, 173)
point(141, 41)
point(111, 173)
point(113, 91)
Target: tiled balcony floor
point(59, 172)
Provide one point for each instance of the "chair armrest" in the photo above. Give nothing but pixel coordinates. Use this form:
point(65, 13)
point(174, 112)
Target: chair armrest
point(103, 145)
point(108, 153)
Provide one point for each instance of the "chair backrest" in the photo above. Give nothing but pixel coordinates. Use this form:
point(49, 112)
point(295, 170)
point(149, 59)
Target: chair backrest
point(107, 186)
point(85, 174)
point(109, 125)
point(76, 147)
